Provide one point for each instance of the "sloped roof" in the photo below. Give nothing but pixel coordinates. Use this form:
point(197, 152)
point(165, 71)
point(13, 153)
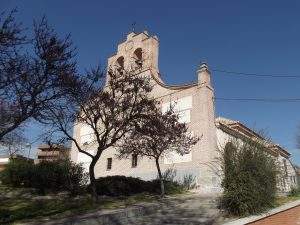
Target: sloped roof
point(237, 128)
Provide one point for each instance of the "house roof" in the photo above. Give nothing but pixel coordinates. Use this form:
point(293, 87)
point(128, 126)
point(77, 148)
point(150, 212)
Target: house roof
point(52, 147)
point(236, 128)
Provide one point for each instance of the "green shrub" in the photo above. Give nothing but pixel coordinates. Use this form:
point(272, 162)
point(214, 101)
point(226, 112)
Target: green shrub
point(249, 181)
point(121, 185)
point(169, 175)
point(294, 192)
point(172, 186)
point(125, 186)
point(17, 173)
point(76, 178)
point(46, 176)
point(189, 181)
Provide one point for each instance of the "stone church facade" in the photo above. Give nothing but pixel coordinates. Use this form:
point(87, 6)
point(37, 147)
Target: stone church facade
point(195, 105)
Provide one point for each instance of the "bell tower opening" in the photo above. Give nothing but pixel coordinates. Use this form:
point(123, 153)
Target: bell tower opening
point(138, 57)
point(120, 64)
point(139, 51)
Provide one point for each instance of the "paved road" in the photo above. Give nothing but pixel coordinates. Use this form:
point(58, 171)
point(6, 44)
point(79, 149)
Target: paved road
point(288, 217)
point(189, 210)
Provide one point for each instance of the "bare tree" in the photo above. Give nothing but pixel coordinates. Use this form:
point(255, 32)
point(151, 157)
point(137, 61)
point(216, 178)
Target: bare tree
point(13, 143)
point(157, 135)
point(32, 71)
point(110, 108)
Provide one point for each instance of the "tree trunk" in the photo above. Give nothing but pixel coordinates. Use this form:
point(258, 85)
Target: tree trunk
point(162, 186)
point(93, 181)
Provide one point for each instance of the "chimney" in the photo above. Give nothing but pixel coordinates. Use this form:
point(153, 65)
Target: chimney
point(203, 74)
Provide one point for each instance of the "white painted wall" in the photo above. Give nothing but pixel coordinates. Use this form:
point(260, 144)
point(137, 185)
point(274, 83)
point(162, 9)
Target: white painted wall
point(86, 137)
point(183, 107)
point(288, 178)
point(174, 157)
point(4, 160)
point(85, 159)
point(86, 134)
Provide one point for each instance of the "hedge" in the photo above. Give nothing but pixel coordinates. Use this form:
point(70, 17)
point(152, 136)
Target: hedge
point(46, 177)
point(125, 186)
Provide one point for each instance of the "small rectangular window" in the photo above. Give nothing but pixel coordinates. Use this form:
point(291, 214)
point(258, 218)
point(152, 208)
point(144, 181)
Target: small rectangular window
point(134, 161)
point(109, 163)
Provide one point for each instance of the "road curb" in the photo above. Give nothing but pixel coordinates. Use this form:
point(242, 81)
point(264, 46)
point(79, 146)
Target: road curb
point(251, 219)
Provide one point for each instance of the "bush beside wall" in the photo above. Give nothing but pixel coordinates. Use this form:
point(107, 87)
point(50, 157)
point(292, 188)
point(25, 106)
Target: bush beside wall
point(125, 186)
point(249, 179)
point(294, 192)
point(120, 185)
point(59, 176)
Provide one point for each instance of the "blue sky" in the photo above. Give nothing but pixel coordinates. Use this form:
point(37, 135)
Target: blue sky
point(253, 37)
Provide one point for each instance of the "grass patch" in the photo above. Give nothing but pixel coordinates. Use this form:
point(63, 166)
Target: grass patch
point(18, 209)
point(23, 208)
point(285, 199)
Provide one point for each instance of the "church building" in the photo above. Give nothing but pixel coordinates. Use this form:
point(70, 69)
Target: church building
point(195, 104)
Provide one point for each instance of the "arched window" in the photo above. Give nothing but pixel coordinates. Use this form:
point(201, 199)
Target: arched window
point(120, 63)
point(138, 57)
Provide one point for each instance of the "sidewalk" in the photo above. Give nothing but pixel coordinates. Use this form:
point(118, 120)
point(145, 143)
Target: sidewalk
point(287, 214)
point(189, 209)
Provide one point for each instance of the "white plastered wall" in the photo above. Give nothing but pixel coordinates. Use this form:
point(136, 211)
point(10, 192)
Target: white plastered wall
point(283, 185)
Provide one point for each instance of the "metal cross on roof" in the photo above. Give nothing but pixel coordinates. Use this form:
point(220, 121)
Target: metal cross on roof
point(133, 26)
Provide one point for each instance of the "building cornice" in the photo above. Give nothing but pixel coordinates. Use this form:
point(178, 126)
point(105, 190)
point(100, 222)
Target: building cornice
point(239, 130)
